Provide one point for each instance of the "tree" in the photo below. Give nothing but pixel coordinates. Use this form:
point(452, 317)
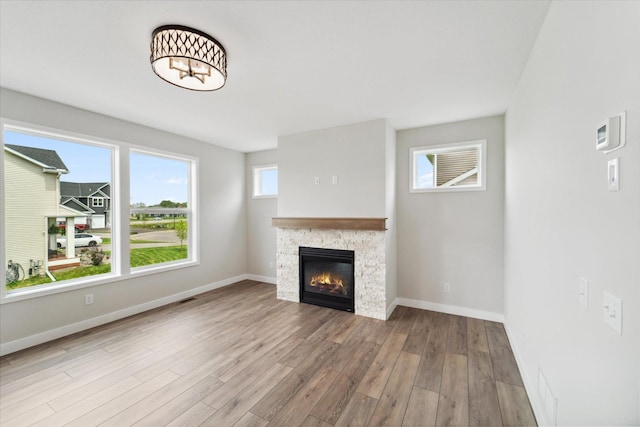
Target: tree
point(168, 204)
point(181, 231)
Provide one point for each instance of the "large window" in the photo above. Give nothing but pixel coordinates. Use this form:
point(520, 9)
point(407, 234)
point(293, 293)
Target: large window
point(450, 167)
point(161, 220)
point(265, 181)
point(60, 221)
point(53, 234)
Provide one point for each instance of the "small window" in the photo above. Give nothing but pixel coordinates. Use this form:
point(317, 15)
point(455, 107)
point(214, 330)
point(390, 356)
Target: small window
point(449, 167)
point(98, 202)
point(265, 181)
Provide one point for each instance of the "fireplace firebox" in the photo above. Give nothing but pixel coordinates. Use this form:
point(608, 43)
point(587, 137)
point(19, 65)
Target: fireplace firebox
point(326, 277)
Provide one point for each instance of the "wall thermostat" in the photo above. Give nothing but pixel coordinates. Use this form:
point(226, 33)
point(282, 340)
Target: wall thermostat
point(611, 133)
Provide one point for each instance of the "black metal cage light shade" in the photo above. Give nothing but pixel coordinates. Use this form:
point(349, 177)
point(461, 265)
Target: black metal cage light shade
point(188, 58)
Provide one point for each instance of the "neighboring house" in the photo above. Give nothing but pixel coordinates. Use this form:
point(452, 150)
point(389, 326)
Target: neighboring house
point(32, 195)
point(92, 199)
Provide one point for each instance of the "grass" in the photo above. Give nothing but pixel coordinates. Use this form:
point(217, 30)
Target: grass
point(73, 273)
point(107, 241)
point(147, 256)
point(139, 258)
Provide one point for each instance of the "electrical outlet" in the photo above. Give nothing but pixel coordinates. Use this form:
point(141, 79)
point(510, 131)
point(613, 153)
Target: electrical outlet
point(270, 265)
point(88, 299)
point(447, 288)
point(583, 292)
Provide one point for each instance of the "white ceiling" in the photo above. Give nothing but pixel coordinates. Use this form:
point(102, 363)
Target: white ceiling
point(294, 66)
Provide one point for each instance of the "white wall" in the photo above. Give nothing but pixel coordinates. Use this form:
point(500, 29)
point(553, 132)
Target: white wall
point(261, 236)
point(362, 156)
point(452, 237)
point(562, 223)
point(353, 153)
point(223, 249)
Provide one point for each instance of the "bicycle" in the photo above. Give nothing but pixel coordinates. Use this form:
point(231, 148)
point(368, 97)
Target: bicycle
point(15, 272)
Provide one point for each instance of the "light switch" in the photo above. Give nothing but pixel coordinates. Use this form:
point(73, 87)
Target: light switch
point(612, 312)
point(316, 180)
point(613, 174)
point(334, 179)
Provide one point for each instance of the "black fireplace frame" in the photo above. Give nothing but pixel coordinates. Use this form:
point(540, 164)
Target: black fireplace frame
point(331, 301)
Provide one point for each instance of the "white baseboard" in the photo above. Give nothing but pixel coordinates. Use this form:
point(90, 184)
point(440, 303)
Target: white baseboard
point(265, 279)
point(529, 385)
point(392, 307)
point(451, 309)
point(30, 341)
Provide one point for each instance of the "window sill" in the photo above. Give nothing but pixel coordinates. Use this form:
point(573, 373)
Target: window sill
point(446, 189)
point(102, 279)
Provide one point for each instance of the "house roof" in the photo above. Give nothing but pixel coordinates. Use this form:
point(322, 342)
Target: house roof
point(84, 189)
point(75, 204)
point(48, 159)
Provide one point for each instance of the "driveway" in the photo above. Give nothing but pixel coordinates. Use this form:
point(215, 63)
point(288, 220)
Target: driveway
point(165, 236)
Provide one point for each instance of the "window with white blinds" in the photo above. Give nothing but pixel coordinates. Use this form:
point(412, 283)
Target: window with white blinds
point(449, 167)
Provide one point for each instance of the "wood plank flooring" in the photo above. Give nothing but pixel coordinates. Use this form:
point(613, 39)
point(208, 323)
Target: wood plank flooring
point(237, 356)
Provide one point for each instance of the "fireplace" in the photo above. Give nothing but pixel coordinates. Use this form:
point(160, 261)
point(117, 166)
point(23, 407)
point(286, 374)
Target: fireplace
point(326, 277)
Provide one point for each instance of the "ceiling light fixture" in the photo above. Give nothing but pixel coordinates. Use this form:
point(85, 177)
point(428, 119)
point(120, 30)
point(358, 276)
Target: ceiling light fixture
point(188, 58)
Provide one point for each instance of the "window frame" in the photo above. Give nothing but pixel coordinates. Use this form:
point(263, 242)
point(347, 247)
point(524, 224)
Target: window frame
point(95, 200)
point(193, 241)
point(257, 180)
point(120, 255)
point(414, 152)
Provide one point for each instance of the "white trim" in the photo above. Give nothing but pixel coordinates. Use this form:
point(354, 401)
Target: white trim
point(264, 279)
point(45, 168)
point(452, 309)
point(257, 180)
point(78, 202)
point(392, 307)
point(30, 341)
point(481, 144)
point(43, 290)
point(529, 386)
point(460, 178)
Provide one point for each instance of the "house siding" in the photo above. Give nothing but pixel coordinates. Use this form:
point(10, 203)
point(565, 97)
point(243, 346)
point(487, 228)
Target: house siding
point(31, 195)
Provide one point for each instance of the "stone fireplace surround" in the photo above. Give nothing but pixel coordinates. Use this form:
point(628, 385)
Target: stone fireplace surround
point(364, 236)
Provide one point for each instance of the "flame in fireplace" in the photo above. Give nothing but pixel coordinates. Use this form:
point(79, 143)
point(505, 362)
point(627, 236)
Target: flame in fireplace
point(327, 283)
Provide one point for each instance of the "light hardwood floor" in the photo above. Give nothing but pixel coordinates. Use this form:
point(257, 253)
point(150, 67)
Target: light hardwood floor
point(237, 356)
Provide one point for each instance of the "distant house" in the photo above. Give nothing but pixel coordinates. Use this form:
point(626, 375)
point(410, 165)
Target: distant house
point(92, 199)
point(32, 195)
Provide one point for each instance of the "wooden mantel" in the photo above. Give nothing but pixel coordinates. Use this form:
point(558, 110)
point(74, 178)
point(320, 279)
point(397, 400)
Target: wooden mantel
point(375, 224)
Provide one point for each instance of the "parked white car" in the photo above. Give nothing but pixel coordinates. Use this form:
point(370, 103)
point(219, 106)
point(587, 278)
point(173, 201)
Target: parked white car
point(82, 239)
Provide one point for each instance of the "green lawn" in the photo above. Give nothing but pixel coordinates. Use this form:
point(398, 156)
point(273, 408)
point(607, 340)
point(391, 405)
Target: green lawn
point(147, 256)
point(62, 275)
point(107, 241)
point(139, 257)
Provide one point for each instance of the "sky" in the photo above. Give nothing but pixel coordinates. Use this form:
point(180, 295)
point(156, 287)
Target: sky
point(269, 182)
point(425, 172)
point(153, 179)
